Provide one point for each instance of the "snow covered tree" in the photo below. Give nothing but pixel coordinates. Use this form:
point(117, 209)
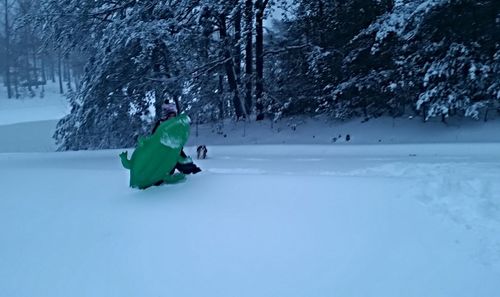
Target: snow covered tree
point(368, 58)
point(136, 62)
point(218, 60)
point(6, 48)
point(249, 13)
point(341, 58)
point(440, 57)
point(311, 49)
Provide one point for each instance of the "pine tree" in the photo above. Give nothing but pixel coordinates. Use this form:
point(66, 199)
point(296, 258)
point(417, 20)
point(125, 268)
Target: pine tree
point(136, 63)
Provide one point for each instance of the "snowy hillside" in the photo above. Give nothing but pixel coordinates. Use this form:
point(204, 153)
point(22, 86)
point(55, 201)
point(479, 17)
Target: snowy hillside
point(388, 220)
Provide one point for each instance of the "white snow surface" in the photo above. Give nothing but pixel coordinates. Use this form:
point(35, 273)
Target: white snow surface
point(404, 208)
point(298, 220)
point(384, 130)
point(52, 106)
point(28, 123)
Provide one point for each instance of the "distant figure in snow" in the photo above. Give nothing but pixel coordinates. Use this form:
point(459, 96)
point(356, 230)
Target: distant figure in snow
point(201, 150)
point(168, 111)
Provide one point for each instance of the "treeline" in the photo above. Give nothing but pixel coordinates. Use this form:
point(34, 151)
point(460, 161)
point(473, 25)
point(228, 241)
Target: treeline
point(217, 60)
point(27, 61)
point(432, 58)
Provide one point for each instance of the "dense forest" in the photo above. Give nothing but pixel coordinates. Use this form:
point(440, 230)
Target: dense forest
point(117, 61)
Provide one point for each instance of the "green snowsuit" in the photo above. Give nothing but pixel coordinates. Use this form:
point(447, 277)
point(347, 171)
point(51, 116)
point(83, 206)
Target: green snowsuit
point(156, 155)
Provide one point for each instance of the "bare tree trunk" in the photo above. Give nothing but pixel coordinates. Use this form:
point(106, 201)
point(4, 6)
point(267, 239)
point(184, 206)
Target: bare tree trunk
point(259, 50)
point(44, 69)
point(7, 51)
point(68, 71)
point(16, 85)
point(25, 68)
point(65, 68)
point(248, 53)
point(221, 97)
point(59, 67)
point(230, 72)
point(35, 64)
point(52, 69)
point(237, 45)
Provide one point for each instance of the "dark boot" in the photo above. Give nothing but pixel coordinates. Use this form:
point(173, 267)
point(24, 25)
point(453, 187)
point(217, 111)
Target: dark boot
point(188, 168)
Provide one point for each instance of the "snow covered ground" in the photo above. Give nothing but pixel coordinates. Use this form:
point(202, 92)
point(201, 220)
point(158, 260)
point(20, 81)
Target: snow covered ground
point(311, 220)
point(36, 136)
point(384, 130)
point(27, 124)
point(52, 106)
point(402, 209)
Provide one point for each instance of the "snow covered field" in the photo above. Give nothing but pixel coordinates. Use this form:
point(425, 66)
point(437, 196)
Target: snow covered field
point(402, 209)
point(360, 220)
point(52, 106)
point(36, 136)
point(384, 130)
point(27, 124)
